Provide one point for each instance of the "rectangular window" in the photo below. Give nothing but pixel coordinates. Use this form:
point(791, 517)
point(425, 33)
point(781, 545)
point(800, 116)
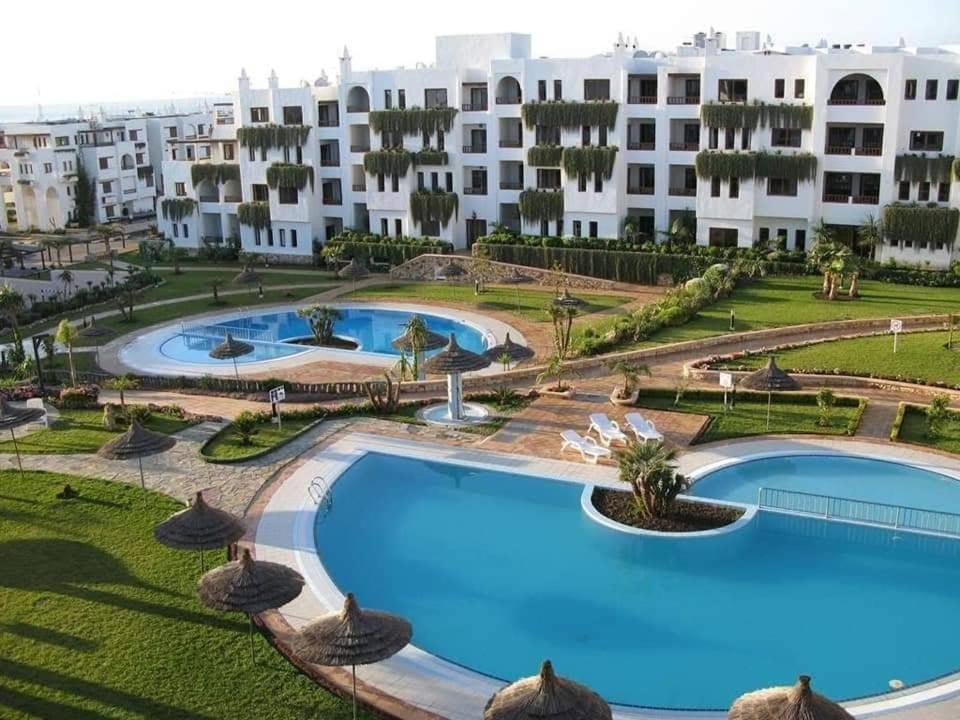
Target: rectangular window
point(299, 154)
point(923, 191)
point(730, 138)
point(597, 182)
point(931, 93)
point(926, 140)
point(259, 114)
point(713, 138)
point(596, 89)
point(288, 195)
point(172, 131)
point(293, 238)
point(135, 135)
point(764, 237)
point(560, 227)
point(401, 99)
point(800, 240)
point(440, 139)
point(557, 91)
point(734, 187)
point(292, 115)
point(953, 88)
point(910, 90)
point(283, 237)
point(48, 167)
point(263, 154)
point(435, 181)
point(594, 229)
point(732, 90)
point(785, 137)
point(449, 182)
point(744, 138)
point(270, 237)
point(799, 88)
point(715, 186)
point(260, 193)
point(104, 163)
point(64, 140)
point(395, 182)
point(420, 185)
point(398, 227)
point(779, 87)
point(577, 232)
point(943, 192)
point(387, 99)
point(251, 153)
point(541, 90)
point(602, 136)
point(176, 230)
point(585, 136)
point(257, 239)
point(180, 189)
point(783, 187)
point(544, 228)
point(435, 97)
point(581, 183)
point(186, 230)
point(384, 226)
point(904, 190)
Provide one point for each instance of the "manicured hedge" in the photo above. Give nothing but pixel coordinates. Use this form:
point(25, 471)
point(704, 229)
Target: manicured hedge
point(394, 250)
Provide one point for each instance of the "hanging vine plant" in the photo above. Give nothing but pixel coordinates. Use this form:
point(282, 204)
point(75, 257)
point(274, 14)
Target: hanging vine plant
point(254, 214)
point(540, 205)
point(413, 121)
point(175, 209)
point(216, 173)
point(288, 175)
point(932, 225)
point(752, 115)
point(395, 161)
point(956, 169)
point(545, 156)
point(271, 136)
point(801, 167)
point(570, 115)
point(913, 167)
point(590, 160)
point(429, 156)
point(434, 206)
point(710, 163)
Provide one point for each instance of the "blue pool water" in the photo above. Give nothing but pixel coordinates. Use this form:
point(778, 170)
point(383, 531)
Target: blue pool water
point(498, 571)
point(271, 334)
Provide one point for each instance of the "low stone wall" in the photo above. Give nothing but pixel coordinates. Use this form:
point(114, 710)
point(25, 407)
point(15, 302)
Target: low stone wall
point(425, 267)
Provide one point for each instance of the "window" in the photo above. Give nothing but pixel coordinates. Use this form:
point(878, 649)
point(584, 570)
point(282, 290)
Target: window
point(544, 228)
point(585, 136)
point(199, 130)
point(251, 153)
point(560, 227)
point(186, 230)
point(764, 237)
point(744, 138)
point(596, 89)
point(730, 138)
point(581, 183)
point(435, 97)
point(778, 87)
point(734, 187)
point(722, 237)
point(799, 88)
point(440, 141)
point(541, 90)
point(283, 237)
point(931, 92)
point(781, 238)
point(401, 99)
point(64, 140)
point(260, 193)
point(293, 238)
point(420, 185)
point(923, 191)
point(263, 154)
point(943, 192)
point(785, 137)
point(259, 114)
point(904, 190)
point(398, 227)
point(953, 87)
point(395, 182)
point(910, 90)
point(713, 139)
point(597, 182)
point(270, 236)
point(48, 168)
point(732, 91)
point(594, 229)
point(387, 102)
point(140, 159)
point(104, 163)
point(557, 95)
point(784, 187)
point(135, 135)
point(172, 131)
point(228, 151)
point(715, 186)
point(288, 195)
point(577, 232)
point(800, 240)
point(449, 182)
point(180, 189)
point(176, 231)
point(926, 140)
point(602, 136)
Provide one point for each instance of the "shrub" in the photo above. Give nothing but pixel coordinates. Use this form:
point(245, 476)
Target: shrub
point(651, 471)
point(937, 414)
point(79, 397)
point(825, 402)
point(245, 426)
point(138, 413)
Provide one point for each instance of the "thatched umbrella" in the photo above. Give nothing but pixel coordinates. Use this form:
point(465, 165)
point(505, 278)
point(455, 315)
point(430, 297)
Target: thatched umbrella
point(247, 276)
point(249, 586)
point(452, 270)
point(94, 330)
point(199, 527)
point(431, 342)
point(787, 703)
point(354, 271)
point(515, 351)
point(352, 637)
point(136, 442)
point(453, 361)
point(769, 378)
point(546, 697)
point(231, 349)
point(565, 299)
point(14, 417)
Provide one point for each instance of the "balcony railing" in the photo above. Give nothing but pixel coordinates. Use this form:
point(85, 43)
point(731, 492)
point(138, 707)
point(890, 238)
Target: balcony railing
point(639, 190)
point(509, 100)
point(479, 190)
point(836, 198)
point(642, 100)
point(511, 142)
point(856, 101)
point(330, 162)
point(359, 187)
point(479, 148)
point(332, 200)
point(869, 150)
point(635, 145)
point(684, 146)
point(358, 109)
point(838, 149)
point(474, 107)
point(683, 191)
point(210, 198)
point(511, 185)
point(232, 198)
point(865, 200)
point(328, 122)
point(360, 148)
point(683, 100)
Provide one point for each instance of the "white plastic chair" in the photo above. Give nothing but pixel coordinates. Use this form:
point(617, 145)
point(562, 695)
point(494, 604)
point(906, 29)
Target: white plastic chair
point(644, 429)
point(590, 451)
point(608, 430)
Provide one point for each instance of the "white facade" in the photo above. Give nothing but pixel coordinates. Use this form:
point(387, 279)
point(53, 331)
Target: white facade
point(864, 115)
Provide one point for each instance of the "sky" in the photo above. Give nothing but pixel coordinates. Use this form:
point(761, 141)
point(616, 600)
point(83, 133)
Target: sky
point(129, 49)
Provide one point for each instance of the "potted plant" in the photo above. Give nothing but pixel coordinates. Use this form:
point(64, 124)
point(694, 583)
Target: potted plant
point(556, 369)
point(630, 371)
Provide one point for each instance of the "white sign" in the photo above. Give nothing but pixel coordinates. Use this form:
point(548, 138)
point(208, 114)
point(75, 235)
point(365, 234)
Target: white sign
point(896, 326)
point(726, 380)
point(277, 394)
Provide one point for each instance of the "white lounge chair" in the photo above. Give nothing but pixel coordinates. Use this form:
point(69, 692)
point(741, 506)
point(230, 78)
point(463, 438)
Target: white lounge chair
point(588, 447)
point(37, 403)
point(644, 429)
point(607, 429)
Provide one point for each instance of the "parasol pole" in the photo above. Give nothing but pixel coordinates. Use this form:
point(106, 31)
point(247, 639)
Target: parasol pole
point(143, 484)
point(16, 449)
point(769, 400)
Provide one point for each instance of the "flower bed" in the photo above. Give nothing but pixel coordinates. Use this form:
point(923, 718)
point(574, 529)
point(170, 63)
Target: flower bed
point(685, 516)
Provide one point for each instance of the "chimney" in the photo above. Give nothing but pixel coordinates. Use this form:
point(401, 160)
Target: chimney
point(244, 81)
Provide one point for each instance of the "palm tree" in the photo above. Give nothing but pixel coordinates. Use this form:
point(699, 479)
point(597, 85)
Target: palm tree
point(562, 318)
point(822, 254)
point(11, 306)
point(67, 335)
point(416, 329)
point(321, 319)
point(177, 254)
point(122, 384)
point(870, 235)
point(66, 279)
point(682, 231)
point(558, 369)
point(840, 264)
point(215, 286)
point(651, 471)
point(630, 371)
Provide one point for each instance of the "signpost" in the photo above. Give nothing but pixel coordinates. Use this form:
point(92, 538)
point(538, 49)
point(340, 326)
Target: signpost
point(726, 382)
point(277, 395)
point(896, 327)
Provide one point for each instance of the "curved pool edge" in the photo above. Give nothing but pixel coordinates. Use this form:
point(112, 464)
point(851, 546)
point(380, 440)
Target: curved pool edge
point(435, 685)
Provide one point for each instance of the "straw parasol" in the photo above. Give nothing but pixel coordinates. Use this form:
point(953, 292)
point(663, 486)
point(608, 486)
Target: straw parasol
point(94, 330)
point(432, 341)
point(249, 586)
point(354, 271)
point(352, 637)
point(136, 442)
point(546, 697)
point(199, 527)
point(453, 361)
point(515, 351)
point(787, 703)
point(769, 378)
point(247, 276)
point(565, 299)
point(231, 349)
point(14, 417)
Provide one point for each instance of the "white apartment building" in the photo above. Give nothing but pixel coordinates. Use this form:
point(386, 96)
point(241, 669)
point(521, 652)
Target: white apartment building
point(865, 127)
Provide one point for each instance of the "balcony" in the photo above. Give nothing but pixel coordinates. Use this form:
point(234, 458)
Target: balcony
point(331, 161)
point(358, 108)
point(511, 143)
point(509, 100)
point(856, 101)
point(360, 148)
point(232, 198)
point(511, 185)
point(683, 100)
point(642, 100)
point(684, 146)
point(328, 122)
point(637, 145)
point(639, 190)
point(865, 200)
point(358, 187)
point(477, 190)
point(834, 198)
point(869, 150)
point(332, 200)
point(474, 107)
point(475, 149)
point(838, 149)
point(683, 191)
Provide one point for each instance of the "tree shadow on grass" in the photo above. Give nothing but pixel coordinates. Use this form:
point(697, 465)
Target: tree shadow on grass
point(48, 636)
point(39, 707)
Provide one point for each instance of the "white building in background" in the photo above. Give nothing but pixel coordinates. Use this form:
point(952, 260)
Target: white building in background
point(870, 106)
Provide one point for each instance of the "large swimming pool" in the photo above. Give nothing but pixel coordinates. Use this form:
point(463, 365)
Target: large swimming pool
point(272, 334)
point(498, 571)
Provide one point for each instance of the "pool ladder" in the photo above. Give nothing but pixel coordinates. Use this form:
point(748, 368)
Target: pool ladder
point(319, 492)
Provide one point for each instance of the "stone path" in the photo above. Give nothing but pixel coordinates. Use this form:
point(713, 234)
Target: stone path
point(877, 420)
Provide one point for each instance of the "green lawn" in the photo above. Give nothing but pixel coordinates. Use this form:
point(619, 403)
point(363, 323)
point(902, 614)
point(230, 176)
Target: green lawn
point(914, 430)
point(919, 356)
point(226, 445)
point(98, 621)
point(81, 431)
point(527, 302)
point(749, 417)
